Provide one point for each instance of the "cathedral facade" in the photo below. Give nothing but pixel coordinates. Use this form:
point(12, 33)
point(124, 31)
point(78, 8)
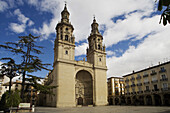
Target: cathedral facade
point(78, 82)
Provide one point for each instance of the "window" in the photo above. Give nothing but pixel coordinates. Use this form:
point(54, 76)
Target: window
point(155, 87)
point(99, 46)
point(66, 29)
point(163, 76)
point(145, 79)
point(98, 39)
point(61, 37)
point(147, 88)
point(154, 78)
point(165, 86)
point(5, 87)
point(100, 59)
point(66, 52)
point(66, 37)
point(162, 68)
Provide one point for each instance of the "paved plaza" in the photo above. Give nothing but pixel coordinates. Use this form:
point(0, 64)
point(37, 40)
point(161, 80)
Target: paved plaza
point(105, 109)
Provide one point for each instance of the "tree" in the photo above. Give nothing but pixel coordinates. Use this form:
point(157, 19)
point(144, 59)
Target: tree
point(166, 13)
point(29, 51)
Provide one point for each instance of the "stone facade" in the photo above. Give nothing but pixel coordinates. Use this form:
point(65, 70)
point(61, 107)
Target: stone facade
point(150, 86)
point(116, 92)
point(78, 82)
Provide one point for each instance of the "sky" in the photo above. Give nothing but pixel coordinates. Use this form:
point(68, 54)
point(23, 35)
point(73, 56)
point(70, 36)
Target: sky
point(133, 37)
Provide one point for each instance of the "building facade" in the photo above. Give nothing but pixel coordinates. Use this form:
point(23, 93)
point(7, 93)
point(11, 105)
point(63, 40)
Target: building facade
point(149, 86)
point(116, 91)
point(78, 82)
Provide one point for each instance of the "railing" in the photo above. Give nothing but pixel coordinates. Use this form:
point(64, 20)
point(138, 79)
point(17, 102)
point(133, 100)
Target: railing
point(132, 78)
point(146, 75)
point(153, 73)
point(165, 89)
point(127, 86)
point(133, 85)
point(162, 70)
point(139, 84)
point(146, 82)
point(139, 92)
point(154, 81)
point(147, 91)
point(164, 79)
point(138, 77)
point(127, 80)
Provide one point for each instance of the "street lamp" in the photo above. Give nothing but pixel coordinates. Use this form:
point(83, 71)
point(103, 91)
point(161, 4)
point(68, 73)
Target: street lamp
point(10, 71)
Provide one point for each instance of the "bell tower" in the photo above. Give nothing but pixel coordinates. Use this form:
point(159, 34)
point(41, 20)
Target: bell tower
point(65, 41)
point(96, 51)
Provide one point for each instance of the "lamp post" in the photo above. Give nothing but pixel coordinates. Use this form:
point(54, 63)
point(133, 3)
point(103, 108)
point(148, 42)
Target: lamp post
point(10, 71)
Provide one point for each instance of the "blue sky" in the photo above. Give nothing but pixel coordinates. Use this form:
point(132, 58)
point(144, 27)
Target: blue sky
point(132, 34)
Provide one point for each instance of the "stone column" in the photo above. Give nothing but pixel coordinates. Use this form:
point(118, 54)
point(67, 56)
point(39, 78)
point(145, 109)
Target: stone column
point(145, 103)
point(162, 100)
point(153, 100)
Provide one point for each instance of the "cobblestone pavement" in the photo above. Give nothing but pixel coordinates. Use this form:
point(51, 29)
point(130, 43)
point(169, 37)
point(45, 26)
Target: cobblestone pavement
point(105, 109)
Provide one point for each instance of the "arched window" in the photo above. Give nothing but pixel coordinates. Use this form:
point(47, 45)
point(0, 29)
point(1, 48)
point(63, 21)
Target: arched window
point(99, 46)
point(66, 52)
point(100, 59)
point(66, 29)
point(61, 37)
point(66, 37)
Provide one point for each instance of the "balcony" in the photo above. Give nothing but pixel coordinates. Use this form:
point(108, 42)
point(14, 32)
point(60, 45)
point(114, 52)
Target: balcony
point(146, 91)
point(146, 75)
point(155, 90)
point(138, 77)
point(162, 71)
point(154, 81)
point(133, 92)
point(127, 80)
point(133, 85)
point(153, 73)
point(139, 84)
point(139, 92)
point(132, 79)
point(164, 79)
point(127, 86)
point(146, 83)
point(165, 89)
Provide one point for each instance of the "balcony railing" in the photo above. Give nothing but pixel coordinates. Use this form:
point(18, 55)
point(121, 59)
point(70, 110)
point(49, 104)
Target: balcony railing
point(146, 83)
point(139, 92)
point(147, 91)
point(154, 81)
point(138, 77)
point(127, 86)
point(133, 92)
point(139, 84)
point(127, 80)
point(164, 79)
point(165, 89)
point(155, 90)
point(133, 85)
point(162, 70)
point(132, 79)
point(146, 75)
point(153, 73)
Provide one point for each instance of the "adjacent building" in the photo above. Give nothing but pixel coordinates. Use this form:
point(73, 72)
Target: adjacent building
point(116, 91)
point(78, 82)
point(150, 86)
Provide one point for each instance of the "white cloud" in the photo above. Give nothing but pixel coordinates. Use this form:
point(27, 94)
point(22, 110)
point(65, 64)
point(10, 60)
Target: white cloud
point(3, 6)
point(153, 49)
point(110, 53)
point(17, 28)
point(81, 49)
point(23, 22)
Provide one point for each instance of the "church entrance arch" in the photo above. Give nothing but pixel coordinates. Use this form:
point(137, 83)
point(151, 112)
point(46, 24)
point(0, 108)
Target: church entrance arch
point(84, 88)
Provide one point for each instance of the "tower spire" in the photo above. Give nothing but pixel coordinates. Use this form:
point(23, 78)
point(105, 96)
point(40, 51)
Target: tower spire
point(65, 14)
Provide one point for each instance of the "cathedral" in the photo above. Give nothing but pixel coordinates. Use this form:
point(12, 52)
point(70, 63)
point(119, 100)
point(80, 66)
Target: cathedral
point(78, 82)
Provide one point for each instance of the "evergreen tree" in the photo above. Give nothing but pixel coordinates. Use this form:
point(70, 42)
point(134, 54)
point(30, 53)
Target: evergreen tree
point(29, 51)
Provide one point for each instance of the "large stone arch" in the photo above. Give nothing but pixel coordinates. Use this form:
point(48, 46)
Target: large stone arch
point(83, 88)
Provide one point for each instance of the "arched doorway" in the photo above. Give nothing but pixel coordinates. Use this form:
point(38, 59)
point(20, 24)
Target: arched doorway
point(134, 100)
point(84, 88)
point(141, 100)
point(116, 101)
point(167, 99)
point(128, 101)
point(148, 100)
point(110, 101)
point(123, 100)
point(157, 100)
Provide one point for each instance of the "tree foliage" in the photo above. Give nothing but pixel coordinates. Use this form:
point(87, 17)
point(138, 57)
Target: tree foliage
point(28, 50)
point(165, 16)
point(10, 100)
